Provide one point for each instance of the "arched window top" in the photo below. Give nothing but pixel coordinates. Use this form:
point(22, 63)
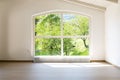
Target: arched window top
point(51, 24)
point(62, 11)
point(61, 33)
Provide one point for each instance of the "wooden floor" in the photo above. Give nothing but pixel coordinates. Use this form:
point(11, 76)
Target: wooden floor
point(58, 71)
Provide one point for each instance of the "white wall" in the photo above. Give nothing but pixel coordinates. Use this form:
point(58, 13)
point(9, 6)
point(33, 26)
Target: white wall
point(113, 34)
point(4, 9)
point(19, 26)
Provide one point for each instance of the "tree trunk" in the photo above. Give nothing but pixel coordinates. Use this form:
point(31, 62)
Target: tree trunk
point(84, 41)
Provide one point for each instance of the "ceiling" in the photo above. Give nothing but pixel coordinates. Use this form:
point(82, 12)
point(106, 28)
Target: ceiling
point(103, 3)
point(98, 4)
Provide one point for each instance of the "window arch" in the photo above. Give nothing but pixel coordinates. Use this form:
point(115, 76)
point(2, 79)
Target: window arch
point(61, 34)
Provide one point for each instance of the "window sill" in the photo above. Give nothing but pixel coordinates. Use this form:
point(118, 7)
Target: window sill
point(62, 59)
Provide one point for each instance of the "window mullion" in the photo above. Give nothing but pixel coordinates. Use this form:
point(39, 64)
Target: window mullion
point(61, 26)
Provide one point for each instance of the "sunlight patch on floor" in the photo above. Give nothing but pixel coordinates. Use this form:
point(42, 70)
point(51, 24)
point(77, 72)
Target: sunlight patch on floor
point(77, 65)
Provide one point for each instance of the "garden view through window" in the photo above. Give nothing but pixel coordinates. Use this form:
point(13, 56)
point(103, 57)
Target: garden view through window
point(61, 34)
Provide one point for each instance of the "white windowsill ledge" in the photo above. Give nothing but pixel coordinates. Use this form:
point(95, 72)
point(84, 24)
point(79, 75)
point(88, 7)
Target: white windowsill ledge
point(66, 59)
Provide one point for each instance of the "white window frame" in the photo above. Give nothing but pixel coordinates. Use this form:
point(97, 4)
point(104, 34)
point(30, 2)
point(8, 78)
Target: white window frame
point(61, 27)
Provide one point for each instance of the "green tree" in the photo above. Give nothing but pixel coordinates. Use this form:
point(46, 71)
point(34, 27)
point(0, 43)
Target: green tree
point(49, 25)
point(78, 25)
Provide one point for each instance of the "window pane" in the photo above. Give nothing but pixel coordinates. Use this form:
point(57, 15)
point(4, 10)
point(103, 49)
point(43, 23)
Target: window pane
point(47, 47)
point(47, 25)
point(75, 25)
point(76, 46)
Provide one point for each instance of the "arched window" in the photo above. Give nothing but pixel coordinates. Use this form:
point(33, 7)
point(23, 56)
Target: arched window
point(61, 34)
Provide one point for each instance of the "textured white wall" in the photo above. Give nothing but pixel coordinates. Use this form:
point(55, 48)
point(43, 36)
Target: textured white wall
point(19, 26)
point(4, 9)
point(113, 34)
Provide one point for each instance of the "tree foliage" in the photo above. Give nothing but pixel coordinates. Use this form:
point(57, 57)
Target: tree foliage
point(50, 25)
